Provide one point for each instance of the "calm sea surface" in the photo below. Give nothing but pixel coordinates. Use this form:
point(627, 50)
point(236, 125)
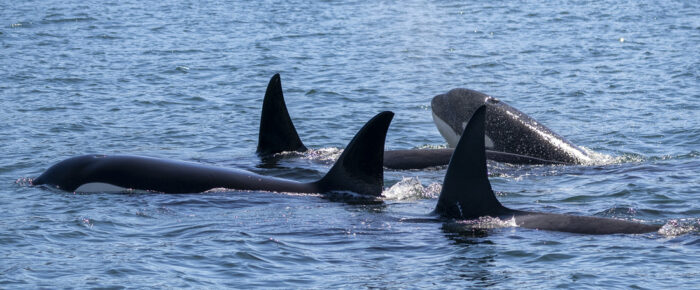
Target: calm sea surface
point(185, 80)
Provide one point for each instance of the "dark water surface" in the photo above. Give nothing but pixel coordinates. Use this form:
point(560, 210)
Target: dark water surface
point(185, 80)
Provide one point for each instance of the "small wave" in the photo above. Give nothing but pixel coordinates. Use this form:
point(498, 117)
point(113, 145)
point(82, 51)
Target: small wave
point(172, 51)
point(104, 36)
point(24, 181)
point(158, 103)
point(677, 227)
point(21, 24)
point(69, 20)
point(431, 146)
point(410, 188)
point(597, 158)
point(488, 222)
point(225, 190)
point(480, 224)
point(689, 155)
point(323, 154)
point(217, 190)
point(626, 158)
point(66, 80)
point(86, 222)
point(326, 155)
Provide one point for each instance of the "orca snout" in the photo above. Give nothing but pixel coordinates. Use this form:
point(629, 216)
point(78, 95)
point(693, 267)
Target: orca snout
point(459, 100)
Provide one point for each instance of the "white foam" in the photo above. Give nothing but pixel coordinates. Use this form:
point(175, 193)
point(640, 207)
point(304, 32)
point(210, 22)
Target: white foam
point(410, 188)
point(324, 154)
point(330, 154)
point(446, 131)
point(674, 228)
point(451, 136)
point(482, 223)
point(487, 222)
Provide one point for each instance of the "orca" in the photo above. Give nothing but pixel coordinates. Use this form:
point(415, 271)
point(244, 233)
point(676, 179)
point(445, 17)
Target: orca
point(358, 169)
point(511, 136)
point(466, 193)
point(278, 134)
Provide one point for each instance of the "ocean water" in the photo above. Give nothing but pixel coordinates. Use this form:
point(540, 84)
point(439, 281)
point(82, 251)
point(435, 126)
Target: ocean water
point(185, 80)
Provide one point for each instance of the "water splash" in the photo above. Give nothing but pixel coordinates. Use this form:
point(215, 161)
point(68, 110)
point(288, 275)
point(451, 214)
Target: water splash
point(432, 146)
point(599, 159)
point(482, 223)
point(328, 155)
point(227, 190)
point(677, 227)
point(488, 222)
point(24, 181)
point(410, 188)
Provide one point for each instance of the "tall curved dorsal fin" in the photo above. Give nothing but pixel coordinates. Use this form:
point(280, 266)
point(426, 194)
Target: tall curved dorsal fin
point(466, 191)
point(360, 167)
point(277, 132)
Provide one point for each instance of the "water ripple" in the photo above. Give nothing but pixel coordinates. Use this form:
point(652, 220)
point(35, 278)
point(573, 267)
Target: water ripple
point(185, 80)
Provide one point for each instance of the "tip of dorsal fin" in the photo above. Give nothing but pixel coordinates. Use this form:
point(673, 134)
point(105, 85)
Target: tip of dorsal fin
point(277, 132)
point(360, 168)
point(466, 191)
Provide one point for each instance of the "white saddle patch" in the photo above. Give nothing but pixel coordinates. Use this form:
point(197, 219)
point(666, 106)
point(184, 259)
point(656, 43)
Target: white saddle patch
point(446, 131)
point(451, 136)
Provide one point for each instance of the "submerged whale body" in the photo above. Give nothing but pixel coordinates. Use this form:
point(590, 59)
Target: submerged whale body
point(358, 169)
point(467, 194)
point(511, 136)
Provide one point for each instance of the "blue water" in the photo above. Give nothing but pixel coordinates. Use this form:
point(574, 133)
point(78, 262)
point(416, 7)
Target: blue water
point(185, 80)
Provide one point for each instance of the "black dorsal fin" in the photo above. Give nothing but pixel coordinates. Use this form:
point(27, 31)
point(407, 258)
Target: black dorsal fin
point(466, 191)
point(360, 168)
point(277, 132)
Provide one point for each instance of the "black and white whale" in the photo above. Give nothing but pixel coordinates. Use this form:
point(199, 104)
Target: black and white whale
point(358, 169)
point(466, 193)
point(278, 134)
point(511, 136)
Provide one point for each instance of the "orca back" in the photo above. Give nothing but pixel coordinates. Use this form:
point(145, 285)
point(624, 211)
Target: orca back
point(359, 169)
